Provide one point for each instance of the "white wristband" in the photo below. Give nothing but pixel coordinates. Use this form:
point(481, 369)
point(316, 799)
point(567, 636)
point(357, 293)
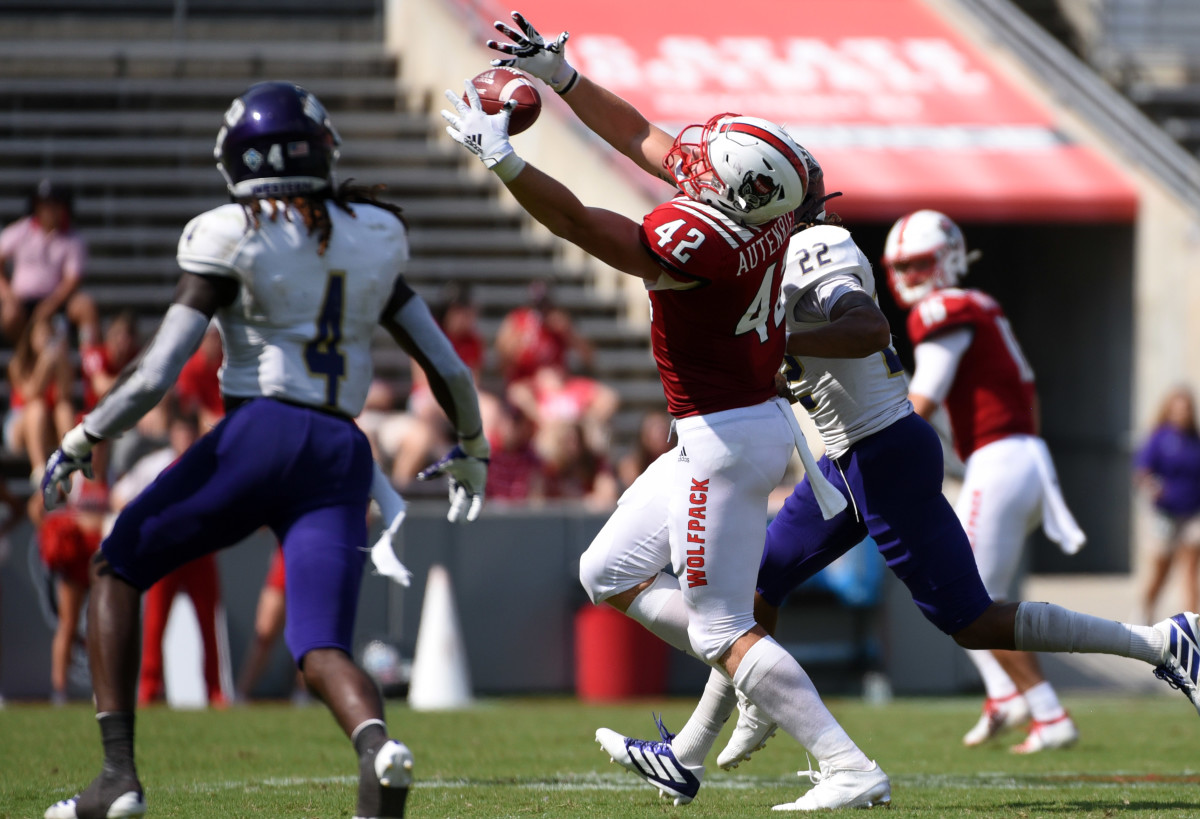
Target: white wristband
point(508, 168)
point(76, 443)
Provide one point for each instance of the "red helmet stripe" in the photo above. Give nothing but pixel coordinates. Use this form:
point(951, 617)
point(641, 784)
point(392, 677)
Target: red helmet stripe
point(775, 142)
point(900, 228)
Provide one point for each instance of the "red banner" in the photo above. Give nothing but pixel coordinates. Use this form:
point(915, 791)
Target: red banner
point(901, 111)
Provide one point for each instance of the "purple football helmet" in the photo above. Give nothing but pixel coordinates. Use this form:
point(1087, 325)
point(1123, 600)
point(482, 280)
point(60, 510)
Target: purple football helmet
point(277, 140)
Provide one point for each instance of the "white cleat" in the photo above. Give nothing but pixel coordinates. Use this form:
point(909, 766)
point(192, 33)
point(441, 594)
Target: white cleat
point(126, 805)
point(394, 765)
point(999, 715)
point(394, 770)
point(1045, 736)
point(843, 789)
point(1180, 667)
point(654, 761)
point(751, 733)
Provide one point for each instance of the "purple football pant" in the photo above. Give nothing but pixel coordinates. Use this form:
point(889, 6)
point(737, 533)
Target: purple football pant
point(893, 485)
point(304, 473)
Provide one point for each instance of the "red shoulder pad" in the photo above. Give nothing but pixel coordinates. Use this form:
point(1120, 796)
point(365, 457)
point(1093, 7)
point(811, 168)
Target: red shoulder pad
point(945, 310)
point(690, 240)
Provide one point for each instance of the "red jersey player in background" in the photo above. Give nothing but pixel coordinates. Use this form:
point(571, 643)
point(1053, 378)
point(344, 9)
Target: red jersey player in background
point(967, 358)
point(712, 259)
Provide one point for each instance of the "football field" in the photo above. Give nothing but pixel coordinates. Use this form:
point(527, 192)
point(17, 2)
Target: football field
point(1138, 757)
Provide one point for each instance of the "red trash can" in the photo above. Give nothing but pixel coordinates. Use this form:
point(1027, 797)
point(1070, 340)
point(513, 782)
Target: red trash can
point(616, 658)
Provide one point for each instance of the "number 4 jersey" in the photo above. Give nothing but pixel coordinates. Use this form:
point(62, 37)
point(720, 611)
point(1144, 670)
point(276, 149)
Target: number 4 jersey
point(301, 326)
point(992, 395)
point(847, 398)
point(717, 335)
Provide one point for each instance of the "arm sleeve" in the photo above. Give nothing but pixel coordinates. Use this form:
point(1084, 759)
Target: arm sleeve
point(449, 378)
point(936, 362)
point(147, 380)
point(817, 304)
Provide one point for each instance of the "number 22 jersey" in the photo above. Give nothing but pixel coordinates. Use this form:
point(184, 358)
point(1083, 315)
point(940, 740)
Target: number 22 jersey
point(301, 326)
point(717, 335)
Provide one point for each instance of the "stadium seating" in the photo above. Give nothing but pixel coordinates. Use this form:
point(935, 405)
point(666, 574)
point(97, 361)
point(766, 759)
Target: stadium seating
point(121, 101)
point(1150, 51)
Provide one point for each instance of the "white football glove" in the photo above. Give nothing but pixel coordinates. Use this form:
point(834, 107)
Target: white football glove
point(530, 53)
point(75, 455)
point(485, 135)
point(468, 477)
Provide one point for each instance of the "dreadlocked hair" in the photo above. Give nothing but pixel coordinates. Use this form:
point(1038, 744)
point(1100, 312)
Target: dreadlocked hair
point(314, 210)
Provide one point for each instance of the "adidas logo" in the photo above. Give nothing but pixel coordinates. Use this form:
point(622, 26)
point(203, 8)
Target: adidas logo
point(1183, 647)
point(683, 456)
point(656, 765)
point(474, 142)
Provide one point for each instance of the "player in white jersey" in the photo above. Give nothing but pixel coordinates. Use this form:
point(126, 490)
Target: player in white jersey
point(888, 462)
point(298, 272)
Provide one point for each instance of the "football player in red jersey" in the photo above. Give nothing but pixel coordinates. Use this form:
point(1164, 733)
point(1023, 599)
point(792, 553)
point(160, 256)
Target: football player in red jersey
point(712, 260)
point(968, 359)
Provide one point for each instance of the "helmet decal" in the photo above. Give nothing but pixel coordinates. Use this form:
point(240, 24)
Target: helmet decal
point(252, 159)
point(757, 189)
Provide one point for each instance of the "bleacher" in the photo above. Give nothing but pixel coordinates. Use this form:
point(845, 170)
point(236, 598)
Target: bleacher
point(122, 101)
point(1150, 51)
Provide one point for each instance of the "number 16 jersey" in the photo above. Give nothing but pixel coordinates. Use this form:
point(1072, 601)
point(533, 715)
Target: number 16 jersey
point(717, 335)
point(301, 326)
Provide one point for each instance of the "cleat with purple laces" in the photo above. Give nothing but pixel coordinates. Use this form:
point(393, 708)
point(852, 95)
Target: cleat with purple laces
point(654, 761)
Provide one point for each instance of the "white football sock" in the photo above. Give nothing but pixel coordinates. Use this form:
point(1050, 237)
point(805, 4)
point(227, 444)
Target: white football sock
point(1047, 627)
point(1043, 702)
point(995, 679)
point(776, 683)
point(661, 608)
point(696, 738)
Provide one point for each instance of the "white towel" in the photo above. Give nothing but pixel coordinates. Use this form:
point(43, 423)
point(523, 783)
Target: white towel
point(1057, 521)
point(392, 508)
point(828, 498)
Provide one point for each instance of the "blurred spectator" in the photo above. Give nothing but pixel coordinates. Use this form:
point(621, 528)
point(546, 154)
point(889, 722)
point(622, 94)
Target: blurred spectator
point(575, 471)
point(538, 335)
point(269, 619)
point(515, 472)
point(1168, 469)
point(410, 440)
point(103, 359)
point(198, 389)
point(653, 440)
point(554, 399)
point(67, 539)
point(47, 259)
point(198, 579)
point(40, 411)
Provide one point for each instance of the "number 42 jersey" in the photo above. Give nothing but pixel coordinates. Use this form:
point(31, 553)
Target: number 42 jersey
point(301, 326)
point(717, 335)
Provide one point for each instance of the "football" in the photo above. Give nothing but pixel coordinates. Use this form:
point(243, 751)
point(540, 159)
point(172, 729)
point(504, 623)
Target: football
point(497, 86)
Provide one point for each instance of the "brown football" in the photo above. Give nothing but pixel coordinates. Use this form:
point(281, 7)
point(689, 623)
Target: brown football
point(497, 86)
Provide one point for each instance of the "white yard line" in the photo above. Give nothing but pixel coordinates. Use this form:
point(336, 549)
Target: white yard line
point(629, 782)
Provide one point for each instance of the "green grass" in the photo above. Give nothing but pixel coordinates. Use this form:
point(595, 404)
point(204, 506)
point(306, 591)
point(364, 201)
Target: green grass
point(537, 758)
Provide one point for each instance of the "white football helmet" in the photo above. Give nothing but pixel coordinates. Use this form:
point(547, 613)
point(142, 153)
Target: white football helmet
point(925, 251)
point(747, 167)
